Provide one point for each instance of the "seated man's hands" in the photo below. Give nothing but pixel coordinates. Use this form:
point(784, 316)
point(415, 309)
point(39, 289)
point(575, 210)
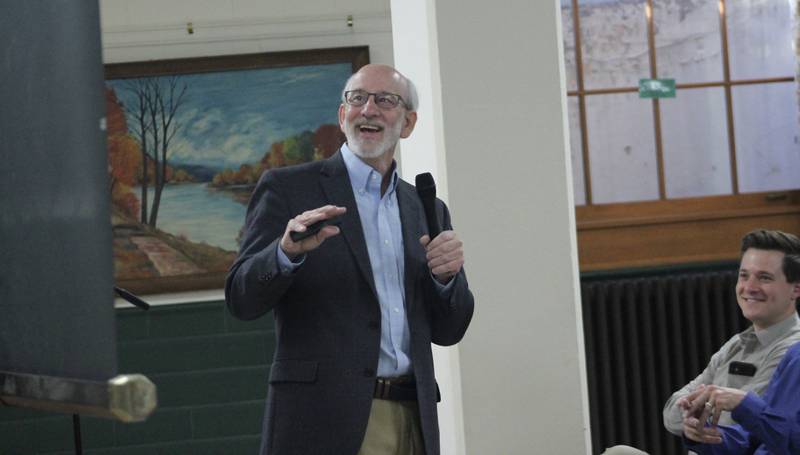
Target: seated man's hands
point(707, 401)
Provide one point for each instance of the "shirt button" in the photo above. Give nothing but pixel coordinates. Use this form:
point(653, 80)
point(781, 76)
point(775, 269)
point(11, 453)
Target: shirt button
point(397, 310)
point(386, 241)
point(369, 372)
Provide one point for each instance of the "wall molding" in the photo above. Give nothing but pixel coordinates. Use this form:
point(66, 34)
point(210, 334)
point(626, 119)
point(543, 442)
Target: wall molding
point(205, 32)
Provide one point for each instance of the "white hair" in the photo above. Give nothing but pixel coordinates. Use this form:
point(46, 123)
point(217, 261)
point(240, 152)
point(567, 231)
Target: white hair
point(411, 101)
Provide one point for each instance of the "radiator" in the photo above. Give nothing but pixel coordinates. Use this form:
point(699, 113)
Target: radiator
point(645, 338)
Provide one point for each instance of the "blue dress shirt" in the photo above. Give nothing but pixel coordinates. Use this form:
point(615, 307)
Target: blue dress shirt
point(380, 220)
point(768, 425)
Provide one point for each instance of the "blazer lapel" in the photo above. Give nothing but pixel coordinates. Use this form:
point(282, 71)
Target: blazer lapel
point(336, 185)
point(411, 216)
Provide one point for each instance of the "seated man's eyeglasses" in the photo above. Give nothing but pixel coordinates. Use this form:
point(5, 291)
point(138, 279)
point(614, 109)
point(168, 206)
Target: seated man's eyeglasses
point(383, 100)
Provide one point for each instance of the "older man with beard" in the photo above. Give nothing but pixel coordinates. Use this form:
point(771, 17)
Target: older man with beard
point(358, 304)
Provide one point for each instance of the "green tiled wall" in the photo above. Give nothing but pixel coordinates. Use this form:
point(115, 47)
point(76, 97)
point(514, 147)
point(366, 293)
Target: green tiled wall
point(211, 373)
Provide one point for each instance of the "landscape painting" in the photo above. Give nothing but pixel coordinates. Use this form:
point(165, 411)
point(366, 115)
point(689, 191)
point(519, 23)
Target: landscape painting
point(189, 139)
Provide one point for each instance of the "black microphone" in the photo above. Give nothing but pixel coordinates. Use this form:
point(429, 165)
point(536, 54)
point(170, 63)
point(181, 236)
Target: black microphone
point(426, 190)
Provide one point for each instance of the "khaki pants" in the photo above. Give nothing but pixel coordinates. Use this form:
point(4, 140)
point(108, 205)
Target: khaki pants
point(393, 429)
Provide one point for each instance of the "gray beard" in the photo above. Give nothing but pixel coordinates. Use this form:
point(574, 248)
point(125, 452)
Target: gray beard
point(359, 151)
point(383, 147)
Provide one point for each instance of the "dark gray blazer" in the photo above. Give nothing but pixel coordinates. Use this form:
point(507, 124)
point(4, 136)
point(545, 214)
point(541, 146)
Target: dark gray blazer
point(327, 316)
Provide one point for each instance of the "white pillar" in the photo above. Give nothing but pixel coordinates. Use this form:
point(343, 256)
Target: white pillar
point(492, 129)
point(424, 151)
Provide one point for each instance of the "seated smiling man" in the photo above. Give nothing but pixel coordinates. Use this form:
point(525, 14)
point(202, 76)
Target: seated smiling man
point(766, 291)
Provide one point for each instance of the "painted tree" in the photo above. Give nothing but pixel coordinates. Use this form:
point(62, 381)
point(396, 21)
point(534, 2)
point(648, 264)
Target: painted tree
point(274, 158)
point(123, 157)
point(299, 148)
point(152, 116)
point(327, 140)
point(139, 127)
point(168, 95)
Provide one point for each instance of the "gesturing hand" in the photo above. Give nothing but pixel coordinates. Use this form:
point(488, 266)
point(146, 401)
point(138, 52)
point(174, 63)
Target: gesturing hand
point(445, 255)
point(299, 224)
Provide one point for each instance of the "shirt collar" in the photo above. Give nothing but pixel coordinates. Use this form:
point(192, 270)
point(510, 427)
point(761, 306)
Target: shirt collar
point(773, 332)
point(361, 173)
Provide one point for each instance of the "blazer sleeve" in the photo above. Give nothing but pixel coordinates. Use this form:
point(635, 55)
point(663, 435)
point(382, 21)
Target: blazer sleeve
point(450, 316)
point(255, 283)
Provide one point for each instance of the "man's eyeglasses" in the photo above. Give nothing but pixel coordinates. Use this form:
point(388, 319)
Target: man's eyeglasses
point(383, 100)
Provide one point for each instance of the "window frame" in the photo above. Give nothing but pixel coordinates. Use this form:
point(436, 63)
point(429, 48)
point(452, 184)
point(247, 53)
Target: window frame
point(679, 230)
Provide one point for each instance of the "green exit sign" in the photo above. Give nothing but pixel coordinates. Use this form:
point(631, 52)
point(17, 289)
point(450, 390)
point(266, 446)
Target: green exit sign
point(656, 88)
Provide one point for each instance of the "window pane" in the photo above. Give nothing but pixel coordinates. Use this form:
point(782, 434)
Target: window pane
point(760, 38)
point(576, 151)
point(622, 155)
point(695, 139)
point(614, 42)
point(568, 32)
point(688, 43)
point(767, 147)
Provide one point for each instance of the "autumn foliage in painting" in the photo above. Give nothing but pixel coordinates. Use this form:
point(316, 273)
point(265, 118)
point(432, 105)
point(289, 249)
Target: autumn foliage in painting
point(124, 157)
point(300, 148)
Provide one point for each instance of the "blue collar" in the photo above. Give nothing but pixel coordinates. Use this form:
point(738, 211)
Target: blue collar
point(362, 176)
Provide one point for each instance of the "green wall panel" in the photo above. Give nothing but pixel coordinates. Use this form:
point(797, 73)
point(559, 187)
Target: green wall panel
point(234, 419)
point(211, 371)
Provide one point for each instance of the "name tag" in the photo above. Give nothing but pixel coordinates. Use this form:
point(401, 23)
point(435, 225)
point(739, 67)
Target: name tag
point(742, 369)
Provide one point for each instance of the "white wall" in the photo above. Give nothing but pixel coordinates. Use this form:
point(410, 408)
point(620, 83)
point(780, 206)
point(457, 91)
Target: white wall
point(156, 29)
point(416, 56)
point(499, 141)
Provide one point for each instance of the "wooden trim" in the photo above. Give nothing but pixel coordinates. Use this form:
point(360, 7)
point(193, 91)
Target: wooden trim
point(643, 234)
point(358, 56)
point(642, 263)
point(699, 237)
point(170, 284)
point(707, 204)
point(684, 217)
point(587, 174)
point(767, 80)
point(726, 74)
point(659, 143)
point(603, 91)
point(686, 86)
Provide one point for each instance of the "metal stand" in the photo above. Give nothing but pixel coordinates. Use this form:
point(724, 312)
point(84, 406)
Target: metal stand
point(76, 428)
point(131, 298)
point(76, 418)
